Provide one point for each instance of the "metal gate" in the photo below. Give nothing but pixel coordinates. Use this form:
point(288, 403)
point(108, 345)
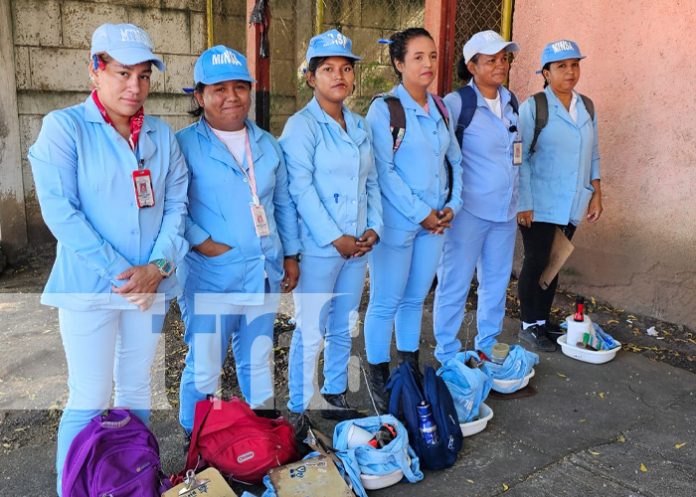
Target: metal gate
point(479, 15)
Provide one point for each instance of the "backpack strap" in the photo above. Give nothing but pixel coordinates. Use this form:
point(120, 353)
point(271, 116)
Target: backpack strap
point(589, 105)
point(202, 411)
point(542, 114)
point(469, 103)
point(397, 118)
point(541, 117)
point(514, 103)
point(442, 108)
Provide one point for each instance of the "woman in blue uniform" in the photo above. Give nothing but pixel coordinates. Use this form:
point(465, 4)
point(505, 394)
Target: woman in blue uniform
point(483, 235)
point(333, 182)
point(242, 227)
point(559, 182)
point(418, 204)
point(111, 183)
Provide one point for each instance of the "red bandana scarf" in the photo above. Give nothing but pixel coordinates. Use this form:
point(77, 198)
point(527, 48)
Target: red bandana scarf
point(136, 121)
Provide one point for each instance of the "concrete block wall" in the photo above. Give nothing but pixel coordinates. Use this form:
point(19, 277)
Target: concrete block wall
point(51, 47)
point(364, 21)
point(51, 40)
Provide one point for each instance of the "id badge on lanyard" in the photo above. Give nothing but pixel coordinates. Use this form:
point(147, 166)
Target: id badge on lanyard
point(142, 182)
point(258, 213)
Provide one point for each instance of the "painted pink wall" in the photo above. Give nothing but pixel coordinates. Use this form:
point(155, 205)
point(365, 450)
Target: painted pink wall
point(640, 71)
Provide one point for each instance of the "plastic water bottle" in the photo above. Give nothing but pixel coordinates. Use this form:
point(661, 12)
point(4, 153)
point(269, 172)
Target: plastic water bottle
point(426, 424)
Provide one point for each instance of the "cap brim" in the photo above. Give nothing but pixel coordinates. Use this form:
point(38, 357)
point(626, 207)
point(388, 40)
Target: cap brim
point(330, 54)
point(497, 46)
point(557, 60)
point(213, 80)
point(133, 56)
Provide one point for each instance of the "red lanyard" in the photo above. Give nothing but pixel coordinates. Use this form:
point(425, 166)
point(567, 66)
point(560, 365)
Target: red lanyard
point(136, 121)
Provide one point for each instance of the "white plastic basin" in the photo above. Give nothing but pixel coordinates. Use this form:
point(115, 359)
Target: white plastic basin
point(586, 355)
point(373, 482)
point(505, 384)
point(477, 425)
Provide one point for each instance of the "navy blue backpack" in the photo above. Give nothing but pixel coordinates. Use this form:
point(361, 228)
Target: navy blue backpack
point(469, 103)
point(406, 392)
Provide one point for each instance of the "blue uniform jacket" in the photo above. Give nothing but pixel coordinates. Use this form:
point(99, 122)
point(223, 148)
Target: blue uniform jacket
point(83, 170)
point(414, 179)
point(219, 207)
point(555, 179)
point(490, 180)
point(333, 179)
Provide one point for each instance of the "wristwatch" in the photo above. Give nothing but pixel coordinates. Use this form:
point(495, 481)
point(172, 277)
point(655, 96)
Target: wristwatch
point(297, 257)
point(165, 267)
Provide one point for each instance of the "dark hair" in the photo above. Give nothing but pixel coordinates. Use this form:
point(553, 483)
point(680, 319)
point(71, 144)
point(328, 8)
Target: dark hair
point(197, 110)
point(316, 62)
point(463, 71)
point(546, 67)
point(399, 44)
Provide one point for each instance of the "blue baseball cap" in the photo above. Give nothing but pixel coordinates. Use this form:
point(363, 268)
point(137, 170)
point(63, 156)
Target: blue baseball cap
point(126, 43)
point(487, 43)
point(220, 63)
point(331, 43)
point(560, 50)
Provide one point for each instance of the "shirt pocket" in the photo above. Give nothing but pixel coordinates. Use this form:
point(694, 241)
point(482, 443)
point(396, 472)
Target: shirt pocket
point(219, 274)
point(335, 205)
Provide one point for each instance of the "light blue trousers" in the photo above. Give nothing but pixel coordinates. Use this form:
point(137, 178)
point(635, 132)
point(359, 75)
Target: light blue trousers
point(402, 269)
point(326, 310)
point(106, 350)
point(209, 328)
point(487, 246)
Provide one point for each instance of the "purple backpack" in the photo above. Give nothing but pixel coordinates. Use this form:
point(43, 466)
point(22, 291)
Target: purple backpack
point(114, 455)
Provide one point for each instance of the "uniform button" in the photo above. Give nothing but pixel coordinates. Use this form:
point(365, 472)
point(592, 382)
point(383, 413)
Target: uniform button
point(434, 132)
point(353, 202)
point(263, 257)
point(245, 180)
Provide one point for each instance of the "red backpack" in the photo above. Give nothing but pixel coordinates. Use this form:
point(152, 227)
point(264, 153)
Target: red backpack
point(230, 437)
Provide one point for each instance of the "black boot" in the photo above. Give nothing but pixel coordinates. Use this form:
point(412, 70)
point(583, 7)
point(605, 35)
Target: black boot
point(338, 408)
point(409, 358)
point(379, 375)
point(300, 424)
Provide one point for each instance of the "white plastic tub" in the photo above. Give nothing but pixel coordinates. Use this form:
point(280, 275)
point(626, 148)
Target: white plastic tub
point(374, 482)
point(505, 384)
point(479, 424)
point(586, 355)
